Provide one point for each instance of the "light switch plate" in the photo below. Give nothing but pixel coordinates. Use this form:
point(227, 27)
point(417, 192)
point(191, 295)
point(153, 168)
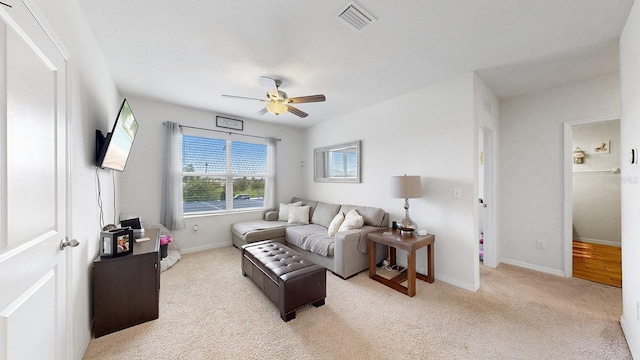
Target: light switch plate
point(457, 193)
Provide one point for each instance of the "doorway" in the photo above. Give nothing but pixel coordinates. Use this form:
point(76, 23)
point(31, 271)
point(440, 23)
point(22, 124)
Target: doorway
point(486, 209)
point(592, 200)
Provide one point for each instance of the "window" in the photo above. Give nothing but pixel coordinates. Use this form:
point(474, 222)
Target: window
point(221, 174)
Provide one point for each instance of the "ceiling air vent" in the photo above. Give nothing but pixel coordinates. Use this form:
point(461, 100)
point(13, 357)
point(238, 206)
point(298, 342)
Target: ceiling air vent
point(355, 16)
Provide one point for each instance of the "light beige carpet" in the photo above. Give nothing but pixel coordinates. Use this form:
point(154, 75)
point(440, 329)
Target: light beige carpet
point(208, 310)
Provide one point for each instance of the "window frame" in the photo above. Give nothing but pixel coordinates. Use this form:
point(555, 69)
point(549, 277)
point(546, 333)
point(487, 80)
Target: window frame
point(228, 175)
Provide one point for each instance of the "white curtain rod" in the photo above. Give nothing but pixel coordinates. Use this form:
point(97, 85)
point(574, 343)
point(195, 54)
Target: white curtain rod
point(224, 132)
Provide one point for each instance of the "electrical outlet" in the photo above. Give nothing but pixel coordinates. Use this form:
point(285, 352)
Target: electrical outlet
point(540, 244)
point(195, 228)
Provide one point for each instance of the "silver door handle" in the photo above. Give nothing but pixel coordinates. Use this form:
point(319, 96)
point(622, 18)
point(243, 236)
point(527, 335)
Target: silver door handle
point(70, 243)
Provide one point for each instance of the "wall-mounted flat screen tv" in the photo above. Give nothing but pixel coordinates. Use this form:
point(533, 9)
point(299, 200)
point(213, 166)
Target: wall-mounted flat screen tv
point(112, 151)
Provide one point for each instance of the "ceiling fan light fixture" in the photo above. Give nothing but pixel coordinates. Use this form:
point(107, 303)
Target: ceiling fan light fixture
point(276, 107)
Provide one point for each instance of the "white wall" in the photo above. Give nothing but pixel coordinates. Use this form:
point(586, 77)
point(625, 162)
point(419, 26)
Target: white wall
point(429, 132)
point(94, 103)
point(630, 138)
point(531, 166)
point(142, 179)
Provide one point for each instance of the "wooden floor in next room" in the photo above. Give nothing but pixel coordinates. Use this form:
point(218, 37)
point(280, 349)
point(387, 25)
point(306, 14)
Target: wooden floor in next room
point(599, 263)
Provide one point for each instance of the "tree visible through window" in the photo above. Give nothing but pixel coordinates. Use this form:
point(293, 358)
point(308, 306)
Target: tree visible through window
point(222, 175)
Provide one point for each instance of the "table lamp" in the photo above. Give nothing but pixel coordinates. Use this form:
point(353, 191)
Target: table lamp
point(406, 187)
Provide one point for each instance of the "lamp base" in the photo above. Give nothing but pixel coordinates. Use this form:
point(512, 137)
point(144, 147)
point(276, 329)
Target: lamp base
point(407, 228)
point(406, 225)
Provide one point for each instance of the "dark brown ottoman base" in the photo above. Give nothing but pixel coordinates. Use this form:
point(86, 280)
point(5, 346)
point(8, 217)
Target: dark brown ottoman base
point(285, 276)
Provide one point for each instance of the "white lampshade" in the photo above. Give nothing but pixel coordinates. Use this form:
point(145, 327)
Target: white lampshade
point(406, 187)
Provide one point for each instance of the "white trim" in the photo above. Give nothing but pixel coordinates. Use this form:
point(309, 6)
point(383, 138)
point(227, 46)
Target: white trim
point(205, 247)
point(533, 267)
point(454, 282)
point(597, 241)
point(631, 343)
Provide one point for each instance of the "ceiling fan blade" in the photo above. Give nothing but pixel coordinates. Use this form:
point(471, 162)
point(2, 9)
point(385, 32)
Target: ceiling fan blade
point(271, 86)
point(261, 112)
point(243, 97)
point(306, 99)
point(297, 111)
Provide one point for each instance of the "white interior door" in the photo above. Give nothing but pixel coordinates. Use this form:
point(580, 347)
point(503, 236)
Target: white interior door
point(33, 184)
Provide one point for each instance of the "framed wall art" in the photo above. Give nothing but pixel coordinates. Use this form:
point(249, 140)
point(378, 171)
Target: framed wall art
point(228, 123)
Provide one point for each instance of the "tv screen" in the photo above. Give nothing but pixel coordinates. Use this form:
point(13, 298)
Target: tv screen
point(115, 148)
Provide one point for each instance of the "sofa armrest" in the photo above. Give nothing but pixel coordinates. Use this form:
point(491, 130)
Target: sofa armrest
point(347, 259)
point(271, 215)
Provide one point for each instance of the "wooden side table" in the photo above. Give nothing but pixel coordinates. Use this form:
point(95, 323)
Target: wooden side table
point(409, 243)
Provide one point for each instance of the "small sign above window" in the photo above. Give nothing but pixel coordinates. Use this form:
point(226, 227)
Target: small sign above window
point(229, 123)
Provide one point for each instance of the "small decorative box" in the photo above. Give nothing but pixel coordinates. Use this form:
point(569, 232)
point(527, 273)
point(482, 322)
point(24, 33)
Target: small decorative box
point(116, 243)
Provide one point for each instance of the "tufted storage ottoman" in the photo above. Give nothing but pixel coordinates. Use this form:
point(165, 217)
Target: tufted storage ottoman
point(285, 276)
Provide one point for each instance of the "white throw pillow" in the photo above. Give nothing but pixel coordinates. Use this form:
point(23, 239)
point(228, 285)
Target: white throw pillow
point(299, 214)
point(353, 220)
point(335, 224)
point(283, 214)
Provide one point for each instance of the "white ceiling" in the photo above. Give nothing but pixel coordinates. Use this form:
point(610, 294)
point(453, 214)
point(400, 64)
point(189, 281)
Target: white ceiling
point(190, 52)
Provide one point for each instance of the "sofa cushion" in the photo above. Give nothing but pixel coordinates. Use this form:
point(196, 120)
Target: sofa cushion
point(352, 220)
point(335, 224)
point(283, 214)
point(324, 213)
point(299, 215)
point(251, 231)
point(311, 237)
point(311, 203)
point(372, 216)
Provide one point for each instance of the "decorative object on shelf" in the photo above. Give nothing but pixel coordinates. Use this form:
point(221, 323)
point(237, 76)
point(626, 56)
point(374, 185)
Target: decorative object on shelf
point(406, 187)
point(578, 156)
point(229, 123)
point(116, 243)
point(602, 147)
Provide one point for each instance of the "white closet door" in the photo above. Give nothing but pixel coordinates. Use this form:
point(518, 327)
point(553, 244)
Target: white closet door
point(33, 180)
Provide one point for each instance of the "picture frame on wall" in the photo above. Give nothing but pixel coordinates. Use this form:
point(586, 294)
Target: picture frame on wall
point(602, 147)
point(228, 123)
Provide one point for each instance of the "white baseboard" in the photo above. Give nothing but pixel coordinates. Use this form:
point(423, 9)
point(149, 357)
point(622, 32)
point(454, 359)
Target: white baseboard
point(533, 267)
point(456, 283)
point(597, 241)
point(205, 247)
point(630, 342)
point(82, 348)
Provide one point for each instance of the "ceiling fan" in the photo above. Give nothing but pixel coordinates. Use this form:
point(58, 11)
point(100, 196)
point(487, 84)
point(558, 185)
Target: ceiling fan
point(277, 101)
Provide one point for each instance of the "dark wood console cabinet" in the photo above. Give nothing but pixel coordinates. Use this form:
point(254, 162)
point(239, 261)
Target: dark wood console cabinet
point(126, 289)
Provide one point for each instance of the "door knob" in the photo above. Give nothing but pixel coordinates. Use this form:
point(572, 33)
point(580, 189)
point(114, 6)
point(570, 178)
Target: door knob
point(71, 243)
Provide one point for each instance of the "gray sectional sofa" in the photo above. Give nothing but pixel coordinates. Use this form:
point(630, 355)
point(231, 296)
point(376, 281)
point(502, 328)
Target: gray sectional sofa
point(345, 254)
